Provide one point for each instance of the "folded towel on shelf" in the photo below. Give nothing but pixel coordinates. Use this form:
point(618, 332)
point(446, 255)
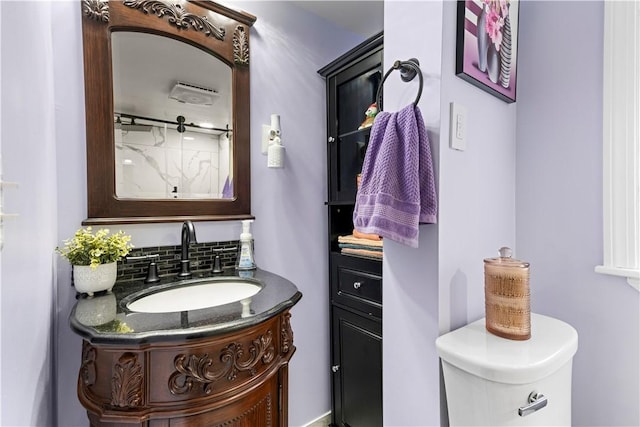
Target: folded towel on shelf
point(363, 252)
point(362, 242)
point(398, 188)
point(366, 247)
point(360, 235)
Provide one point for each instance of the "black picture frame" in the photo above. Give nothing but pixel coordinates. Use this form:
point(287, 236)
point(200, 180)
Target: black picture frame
point(488, 61)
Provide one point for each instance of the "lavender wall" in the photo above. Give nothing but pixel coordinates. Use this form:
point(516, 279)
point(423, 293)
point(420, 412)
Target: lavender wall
point(477, 189)
point(410, 276)
point(559, 206)
point(28, 147)
point(288, 46)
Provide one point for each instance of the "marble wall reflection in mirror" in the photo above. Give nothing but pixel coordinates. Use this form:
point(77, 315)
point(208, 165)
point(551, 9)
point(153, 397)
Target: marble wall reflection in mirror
point(172, 119)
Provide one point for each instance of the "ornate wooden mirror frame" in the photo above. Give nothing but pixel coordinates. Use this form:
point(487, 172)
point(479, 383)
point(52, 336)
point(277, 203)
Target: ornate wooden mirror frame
point(214, 28)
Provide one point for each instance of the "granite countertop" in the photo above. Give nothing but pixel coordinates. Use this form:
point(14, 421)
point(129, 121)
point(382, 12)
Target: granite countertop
point(105, 319)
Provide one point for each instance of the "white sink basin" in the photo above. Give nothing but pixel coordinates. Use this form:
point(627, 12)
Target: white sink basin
point(194, 297)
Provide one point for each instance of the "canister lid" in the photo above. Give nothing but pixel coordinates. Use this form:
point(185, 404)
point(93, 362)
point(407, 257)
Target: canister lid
point(475, 350)
point(505, 259)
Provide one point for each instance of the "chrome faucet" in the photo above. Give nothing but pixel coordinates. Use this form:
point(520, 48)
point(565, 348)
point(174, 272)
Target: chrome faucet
point(188, 236)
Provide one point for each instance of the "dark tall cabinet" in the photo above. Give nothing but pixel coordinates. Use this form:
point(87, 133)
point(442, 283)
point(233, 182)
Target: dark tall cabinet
point(355, 282)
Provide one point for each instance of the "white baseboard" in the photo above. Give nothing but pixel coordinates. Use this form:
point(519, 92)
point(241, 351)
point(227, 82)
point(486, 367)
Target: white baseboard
point(320, 418)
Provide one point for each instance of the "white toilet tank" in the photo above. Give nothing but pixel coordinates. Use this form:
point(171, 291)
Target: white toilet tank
point(489, 380)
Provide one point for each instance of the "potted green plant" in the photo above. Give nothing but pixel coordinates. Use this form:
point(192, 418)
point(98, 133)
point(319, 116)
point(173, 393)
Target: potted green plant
point(94, 258)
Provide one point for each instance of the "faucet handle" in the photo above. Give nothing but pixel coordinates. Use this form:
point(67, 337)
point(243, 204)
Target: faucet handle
point(217, 267)
point(152, 270)
point(217, 262)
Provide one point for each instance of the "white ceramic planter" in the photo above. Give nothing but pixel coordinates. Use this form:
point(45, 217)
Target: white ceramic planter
point(89, 280)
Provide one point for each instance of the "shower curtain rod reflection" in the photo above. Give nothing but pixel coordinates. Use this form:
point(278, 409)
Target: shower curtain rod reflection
point(131, 116)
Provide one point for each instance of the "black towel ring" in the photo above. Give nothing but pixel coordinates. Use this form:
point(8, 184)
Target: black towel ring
point(408, 70)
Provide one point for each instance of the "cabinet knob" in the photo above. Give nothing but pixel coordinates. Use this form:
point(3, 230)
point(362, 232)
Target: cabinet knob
point(331, 139)
point(335, 368)
point(356, 285)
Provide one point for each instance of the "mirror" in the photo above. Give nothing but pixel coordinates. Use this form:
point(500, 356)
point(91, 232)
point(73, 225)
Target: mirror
point(172, 122)
point(167, 111)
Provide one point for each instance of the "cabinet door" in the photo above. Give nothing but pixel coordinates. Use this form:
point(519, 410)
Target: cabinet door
point(350, 93)
point(357, 381)
point(260, 407)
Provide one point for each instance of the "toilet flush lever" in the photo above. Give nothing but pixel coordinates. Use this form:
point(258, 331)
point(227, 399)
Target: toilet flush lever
point(536, 401)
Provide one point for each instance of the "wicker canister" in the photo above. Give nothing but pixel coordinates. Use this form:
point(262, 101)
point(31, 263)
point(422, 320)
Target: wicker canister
point(507, 296)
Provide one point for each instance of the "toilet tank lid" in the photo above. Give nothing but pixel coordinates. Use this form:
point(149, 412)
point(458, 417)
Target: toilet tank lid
point(475, 350)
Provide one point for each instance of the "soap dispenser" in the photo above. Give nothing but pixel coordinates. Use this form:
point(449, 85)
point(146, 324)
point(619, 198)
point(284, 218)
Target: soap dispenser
point(245, 259)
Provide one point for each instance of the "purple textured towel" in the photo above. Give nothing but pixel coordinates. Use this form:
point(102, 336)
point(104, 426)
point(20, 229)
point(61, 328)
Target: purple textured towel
point(398, 190)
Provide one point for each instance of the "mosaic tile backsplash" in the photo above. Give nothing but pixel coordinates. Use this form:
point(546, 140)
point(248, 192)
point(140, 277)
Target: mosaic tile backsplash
point(200, 254)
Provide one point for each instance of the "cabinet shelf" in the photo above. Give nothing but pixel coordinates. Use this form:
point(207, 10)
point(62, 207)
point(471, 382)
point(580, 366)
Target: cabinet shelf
point(340, 202)
point(355, 132)
point(368, 258)
point(338, 252)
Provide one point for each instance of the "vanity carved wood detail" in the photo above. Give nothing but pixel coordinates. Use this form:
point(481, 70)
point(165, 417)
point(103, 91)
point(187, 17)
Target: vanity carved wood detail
point(238, 378)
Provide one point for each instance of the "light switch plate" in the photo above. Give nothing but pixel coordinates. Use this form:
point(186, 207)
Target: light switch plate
point(458, 127)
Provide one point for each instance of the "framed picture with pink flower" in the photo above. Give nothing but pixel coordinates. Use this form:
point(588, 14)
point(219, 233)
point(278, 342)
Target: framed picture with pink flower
point(487, 45)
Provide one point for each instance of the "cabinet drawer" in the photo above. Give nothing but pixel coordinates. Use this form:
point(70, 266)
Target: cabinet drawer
point(357, 283)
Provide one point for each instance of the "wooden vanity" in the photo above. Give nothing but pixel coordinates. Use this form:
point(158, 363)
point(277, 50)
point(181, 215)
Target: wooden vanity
point(209, 367)
point(220, 366)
